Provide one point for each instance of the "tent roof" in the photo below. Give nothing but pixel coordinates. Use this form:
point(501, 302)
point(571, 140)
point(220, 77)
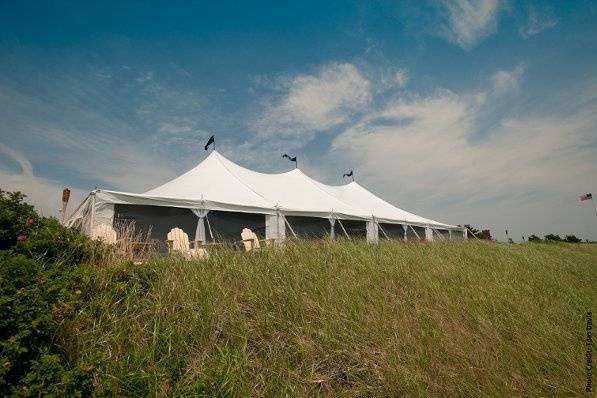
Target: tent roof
point(220, 184)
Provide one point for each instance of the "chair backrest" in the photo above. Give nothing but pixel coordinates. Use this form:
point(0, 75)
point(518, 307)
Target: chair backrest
point(180, 240)
point(105, 233)
point(250, 239)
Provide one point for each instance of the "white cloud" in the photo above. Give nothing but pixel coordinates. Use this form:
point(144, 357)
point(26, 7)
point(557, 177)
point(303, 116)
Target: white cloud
point(24, 163)
point(401, 78)
point(504, 81)
point(313, 103)
point(537, 22)
point(427, 151)
point(470, 20)
point(44, 194)
point(121, 133)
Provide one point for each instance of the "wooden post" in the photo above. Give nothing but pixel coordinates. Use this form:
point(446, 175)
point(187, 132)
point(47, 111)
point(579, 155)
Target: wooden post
point(65, 199)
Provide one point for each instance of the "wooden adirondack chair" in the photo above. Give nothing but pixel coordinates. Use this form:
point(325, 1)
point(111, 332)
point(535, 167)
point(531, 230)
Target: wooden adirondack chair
point(123, 247)
point(105, 233)
point(252, 242)
point(178, 243)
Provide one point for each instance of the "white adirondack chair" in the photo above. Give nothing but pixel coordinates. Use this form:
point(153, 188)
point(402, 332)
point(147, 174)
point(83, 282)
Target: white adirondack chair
point(178, 243)
point(105, 233)
point(251, 241)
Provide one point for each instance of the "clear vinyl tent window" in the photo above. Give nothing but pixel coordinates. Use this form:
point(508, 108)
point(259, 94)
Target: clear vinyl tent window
point(226, 226)
point(457, 235)
point(410, 234)
point(310, 227)
point(154, 221)
point(354, 228)
point(394, 231)
point(445, 234)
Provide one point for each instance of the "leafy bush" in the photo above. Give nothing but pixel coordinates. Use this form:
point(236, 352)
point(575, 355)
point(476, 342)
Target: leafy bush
point(50, 241)
point(38, 272)
point(572, 239)
point(484, 234)
point(553, 238)
point(16, 218)
point(535, 238)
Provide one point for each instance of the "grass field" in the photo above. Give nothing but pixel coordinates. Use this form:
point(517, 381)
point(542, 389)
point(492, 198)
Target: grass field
point(342, 319)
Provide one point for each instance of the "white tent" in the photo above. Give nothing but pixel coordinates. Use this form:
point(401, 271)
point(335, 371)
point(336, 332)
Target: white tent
point(220, 185)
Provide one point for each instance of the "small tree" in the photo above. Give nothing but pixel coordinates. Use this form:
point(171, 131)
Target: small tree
point(572, 239)
point(484, 234)
point(535, 238)
point(553, 238)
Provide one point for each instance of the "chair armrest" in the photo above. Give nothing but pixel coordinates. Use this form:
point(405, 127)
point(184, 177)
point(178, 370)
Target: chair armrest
point(194, 244)
point(268, 242)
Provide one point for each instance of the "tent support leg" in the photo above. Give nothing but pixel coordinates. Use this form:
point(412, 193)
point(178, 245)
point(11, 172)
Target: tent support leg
point(209, 229)
point(441, 237)
point(476, 237)
point(416, 234)
point(92, 217)
point(289, 227)
point(382, 231)
point(345, 233)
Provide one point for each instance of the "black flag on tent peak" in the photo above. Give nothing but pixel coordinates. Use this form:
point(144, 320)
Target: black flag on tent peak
point(347, 174)
point(292, 159)
point(211, 140)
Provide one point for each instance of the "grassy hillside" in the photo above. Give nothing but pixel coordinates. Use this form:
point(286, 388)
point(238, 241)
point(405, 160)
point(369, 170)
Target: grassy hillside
point(342, 319)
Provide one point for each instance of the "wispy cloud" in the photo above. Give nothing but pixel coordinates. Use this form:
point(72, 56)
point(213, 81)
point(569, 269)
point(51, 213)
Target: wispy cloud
point(426, 150)
point(468, 21)
point(401, 77)
point(44, 194)
point(438, 153)
point(22, 161)
point(113, 128)
point(314, 103)
point(537, 21)
point(508, 81)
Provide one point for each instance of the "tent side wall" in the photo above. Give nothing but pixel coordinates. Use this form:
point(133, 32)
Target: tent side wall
point(393, 231)
point(309, 227)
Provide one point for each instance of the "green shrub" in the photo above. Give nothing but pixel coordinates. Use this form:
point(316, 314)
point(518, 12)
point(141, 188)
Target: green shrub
point(16, 218)
point(38, 272)
point(553, 238)
point(51, 242)
point(572, 239)
point(35, 299)
point(535, 238)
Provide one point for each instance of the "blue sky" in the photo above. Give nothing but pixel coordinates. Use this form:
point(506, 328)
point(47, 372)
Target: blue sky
point(481, 112)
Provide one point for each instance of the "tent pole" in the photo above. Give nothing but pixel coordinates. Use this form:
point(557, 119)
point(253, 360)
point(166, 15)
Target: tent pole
point(345, 233)
point(382, 230)
point(92, 217)
point(209, 228)
point(289, 226)
point(469, 230)
point(416, 234)
point(441, 237)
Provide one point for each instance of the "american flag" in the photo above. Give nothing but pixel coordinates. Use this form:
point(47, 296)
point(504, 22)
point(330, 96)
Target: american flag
point(586, 196)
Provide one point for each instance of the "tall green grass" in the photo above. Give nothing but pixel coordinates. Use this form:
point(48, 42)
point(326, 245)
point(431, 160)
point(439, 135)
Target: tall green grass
point(342, 319)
